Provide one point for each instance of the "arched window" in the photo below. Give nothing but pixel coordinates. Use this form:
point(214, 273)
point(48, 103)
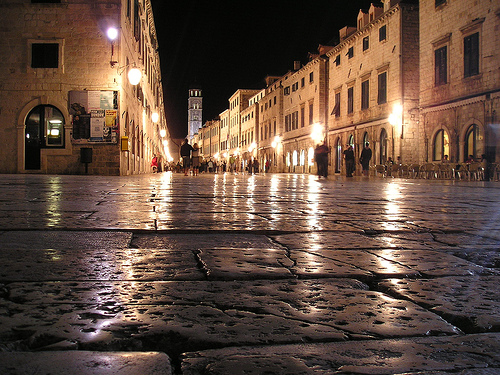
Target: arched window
point(338, 155)
point(295, 158)
point(302, 158)
point(383, 147)
point(366, 139)
point(350, 142)
point(471, 142)
point(441, 145)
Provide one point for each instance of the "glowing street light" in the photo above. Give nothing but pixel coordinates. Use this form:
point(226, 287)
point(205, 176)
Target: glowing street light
point(112, 33)
point(155, 117)
point(317, 133)
point(134, 76)
point(163, 133)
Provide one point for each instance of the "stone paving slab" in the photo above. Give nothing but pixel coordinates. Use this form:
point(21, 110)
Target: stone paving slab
point(431, 263)
point(245, 264)
point(473, 303)
point(53, 264)
point(395, 356)
point(118, 315)
point(31, 240)
point(84, 362)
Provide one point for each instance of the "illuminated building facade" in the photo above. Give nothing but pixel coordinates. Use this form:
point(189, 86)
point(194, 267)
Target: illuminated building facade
point(70, 101)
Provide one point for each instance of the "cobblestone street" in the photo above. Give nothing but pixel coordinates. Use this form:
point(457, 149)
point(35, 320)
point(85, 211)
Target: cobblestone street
point(248, 274)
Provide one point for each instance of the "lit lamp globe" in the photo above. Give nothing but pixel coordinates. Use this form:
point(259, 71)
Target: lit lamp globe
point(112, 33)
point(163, 133)
point(154, 117)
point(134, 76)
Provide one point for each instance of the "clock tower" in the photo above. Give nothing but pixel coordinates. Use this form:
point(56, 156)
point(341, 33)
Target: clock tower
point(195, 110)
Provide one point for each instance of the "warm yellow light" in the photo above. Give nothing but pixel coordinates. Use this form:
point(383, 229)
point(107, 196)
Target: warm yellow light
point(154, 117)
point(163, 133)
point(134, 76)
point(317, 133)
point(112, 33)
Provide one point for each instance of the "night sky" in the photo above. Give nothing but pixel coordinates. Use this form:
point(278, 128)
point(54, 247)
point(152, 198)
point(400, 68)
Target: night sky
point(223, 46)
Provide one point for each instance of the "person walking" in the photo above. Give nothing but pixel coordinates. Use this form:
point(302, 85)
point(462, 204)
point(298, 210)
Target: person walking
point(365, 158)
point(154, 163)
point(321, 156)
point(195, 159)
point(186, 150)
point(349, 161)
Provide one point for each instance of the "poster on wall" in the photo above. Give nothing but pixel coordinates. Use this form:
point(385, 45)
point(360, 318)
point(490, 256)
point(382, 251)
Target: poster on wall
point(94, 115)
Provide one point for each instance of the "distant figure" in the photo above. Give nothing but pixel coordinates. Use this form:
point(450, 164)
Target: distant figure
point(365, 158)
point(255, 166)
point(154, 163)
point(349, 161)
point(186, 150)
point(445, 159)
point(195, 159)
point(321, 156)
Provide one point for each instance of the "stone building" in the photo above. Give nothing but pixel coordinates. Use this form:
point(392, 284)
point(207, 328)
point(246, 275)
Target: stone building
point(270, 126)
point(459, 79)
point(67, 105)
point(373, 77)
point(304, 109)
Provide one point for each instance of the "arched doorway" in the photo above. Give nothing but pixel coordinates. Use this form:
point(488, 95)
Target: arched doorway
point(44, 128)
point(383, 147)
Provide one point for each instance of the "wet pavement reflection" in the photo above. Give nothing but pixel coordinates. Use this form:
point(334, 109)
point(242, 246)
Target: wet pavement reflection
point(219, 268)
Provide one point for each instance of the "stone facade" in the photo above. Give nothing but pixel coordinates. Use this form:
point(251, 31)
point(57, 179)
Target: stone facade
point(459, 112)
point(54, 52)
point(378, 85)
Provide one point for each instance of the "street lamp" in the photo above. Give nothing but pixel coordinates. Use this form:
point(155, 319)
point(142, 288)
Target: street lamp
point(317, 133)
point(163, 133)
point(155, 117)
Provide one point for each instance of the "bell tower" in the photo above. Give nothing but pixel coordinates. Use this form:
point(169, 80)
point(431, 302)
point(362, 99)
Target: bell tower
point(195, 109)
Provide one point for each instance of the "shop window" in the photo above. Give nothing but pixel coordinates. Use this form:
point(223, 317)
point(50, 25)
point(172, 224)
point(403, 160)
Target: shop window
point(441, 145)
point(471, 142)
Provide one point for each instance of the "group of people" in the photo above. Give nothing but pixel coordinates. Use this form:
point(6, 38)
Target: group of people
point(321, 157)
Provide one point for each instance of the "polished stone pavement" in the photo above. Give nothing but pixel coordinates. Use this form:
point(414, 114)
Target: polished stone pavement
point(248, 274)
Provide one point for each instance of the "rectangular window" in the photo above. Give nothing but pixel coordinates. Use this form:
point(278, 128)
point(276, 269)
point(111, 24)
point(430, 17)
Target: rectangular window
point(302, 82)
point(350, 100)
point(440, 66)
point(302, 117)
point(366, 43)
point(440, 2)
point(336, 109)
point(311, 77)
point(311, 114)
point(45, 55)
point(382, 88)
point(350, 52)
point(471, 55)
point(382, 33)
point(365, 94)
point(286, 90)
point(337, 60)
